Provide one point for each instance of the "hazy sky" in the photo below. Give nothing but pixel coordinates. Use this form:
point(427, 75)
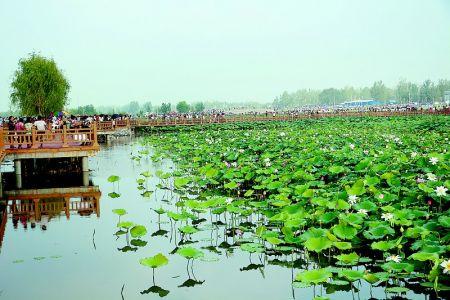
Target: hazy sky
point(113, 52)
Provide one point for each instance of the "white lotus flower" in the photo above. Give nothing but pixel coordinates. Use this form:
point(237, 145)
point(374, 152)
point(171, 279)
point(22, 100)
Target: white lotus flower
point(352, 199)
point(441, 191)
point(234, 164)
point(434, 160)
point(394, 258)
point(266, 160)
point(241, 150)
point(229, 200)
point(352, 146)
point(282, 134)
point(366, 152)
point(275, 171)
point(413, 154)
point(387, 216)
point(431, 177)
point(268, 164)
point(362, 211)
point(446, 265)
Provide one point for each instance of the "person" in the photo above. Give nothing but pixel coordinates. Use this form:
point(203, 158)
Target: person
point(12, 135)
point(40, 126)
point(19, 127)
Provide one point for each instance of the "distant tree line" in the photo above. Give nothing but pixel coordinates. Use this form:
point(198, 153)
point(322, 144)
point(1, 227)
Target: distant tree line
point(137, 109)
point(404, 92)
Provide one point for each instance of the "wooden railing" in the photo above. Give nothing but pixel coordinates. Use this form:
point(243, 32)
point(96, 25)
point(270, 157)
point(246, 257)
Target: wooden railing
point(204, 120)
point(57, 138)
point(113, 125)
point(2, 145)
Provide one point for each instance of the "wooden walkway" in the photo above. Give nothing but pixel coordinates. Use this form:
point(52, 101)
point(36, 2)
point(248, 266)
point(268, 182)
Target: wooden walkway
point(49, 143)
point(84, 142)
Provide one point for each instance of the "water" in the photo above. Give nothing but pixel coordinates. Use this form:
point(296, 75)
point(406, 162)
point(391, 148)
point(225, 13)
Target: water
point(79, 257)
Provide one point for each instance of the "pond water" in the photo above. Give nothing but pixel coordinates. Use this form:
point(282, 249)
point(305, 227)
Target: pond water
point(78, 256)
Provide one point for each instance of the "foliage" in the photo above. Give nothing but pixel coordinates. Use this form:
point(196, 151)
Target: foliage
point(38, 86)
point(183, 107)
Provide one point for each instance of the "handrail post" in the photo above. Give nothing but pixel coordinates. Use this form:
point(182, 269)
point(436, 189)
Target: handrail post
point(64, 137)
point(33, 138)
point(94, 134)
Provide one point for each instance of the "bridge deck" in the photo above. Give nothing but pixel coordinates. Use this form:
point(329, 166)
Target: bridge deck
point(49, 143)
point(84, 142)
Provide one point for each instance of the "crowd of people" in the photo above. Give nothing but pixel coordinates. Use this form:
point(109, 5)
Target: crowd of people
point(57, 121)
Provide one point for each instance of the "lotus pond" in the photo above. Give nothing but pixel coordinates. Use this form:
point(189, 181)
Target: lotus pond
point(352, 208)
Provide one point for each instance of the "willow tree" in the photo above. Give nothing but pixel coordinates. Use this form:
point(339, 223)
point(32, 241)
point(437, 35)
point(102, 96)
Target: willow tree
point(38, 86)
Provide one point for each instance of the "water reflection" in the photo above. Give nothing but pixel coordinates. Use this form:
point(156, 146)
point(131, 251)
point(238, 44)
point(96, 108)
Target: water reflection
point(38, 207)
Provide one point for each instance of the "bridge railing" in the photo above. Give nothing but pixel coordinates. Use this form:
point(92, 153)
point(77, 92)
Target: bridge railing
point(2, 145)
point(55, 138)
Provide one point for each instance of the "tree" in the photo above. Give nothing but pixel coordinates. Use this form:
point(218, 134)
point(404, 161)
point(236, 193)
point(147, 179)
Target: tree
point(183, 107)
point(428, 91)
point(331, 96)
point(379, 91)
point(407, 91)
point(165, 108)
point(199, 107)
point(87, 110)
point(442, 86)
point(147, 107)
point(38, 86)
point(132, 108)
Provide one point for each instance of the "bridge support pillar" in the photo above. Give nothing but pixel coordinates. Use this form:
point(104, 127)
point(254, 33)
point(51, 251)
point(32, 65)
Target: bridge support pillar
point(1, 185)
point(85, 170)
point(18, 172)
point(85, 164)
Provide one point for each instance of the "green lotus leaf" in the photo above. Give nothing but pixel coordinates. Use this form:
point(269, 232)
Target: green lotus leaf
point(383, 245)
point(188, 229)
point(314, 276)
point(138, 231)
point(119, 211)
point(424, 256)
point(190, 253)
point(345, 232)
point(398, 267)
point(397, 289)
point(444, 221)
point(342, 245)
point(125, 224)
point(351, 275)
point(349, 259)
point(113, 178)
point(378, 232)
point(318, 244)
point(156, 261)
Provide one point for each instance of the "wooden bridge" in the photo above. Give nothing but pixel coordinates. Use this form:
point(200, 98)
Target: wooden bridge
point(83, 142)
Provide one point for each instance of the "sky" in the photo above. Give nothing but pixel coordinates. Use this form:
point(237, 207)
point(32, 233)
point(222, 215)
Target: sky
point(114, 52)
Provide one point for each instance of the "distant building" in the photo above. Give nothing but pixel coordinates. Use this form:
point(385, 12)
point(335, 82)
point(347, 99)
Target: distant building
point(368, 102)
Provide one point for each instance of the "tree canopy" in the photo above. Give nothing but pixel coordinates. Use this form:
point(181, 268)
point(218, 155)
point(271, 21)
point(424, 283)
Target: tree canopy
point(38, 86)
point(404, 92)
point(199, 107)
point(165, 108)
point(183, 107)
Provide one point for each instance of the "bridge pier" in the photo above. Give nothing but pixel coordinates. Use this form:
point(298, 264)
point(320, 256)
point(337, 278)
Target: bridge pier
point(18, 172)
point(85, 170)
point(1, 185)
